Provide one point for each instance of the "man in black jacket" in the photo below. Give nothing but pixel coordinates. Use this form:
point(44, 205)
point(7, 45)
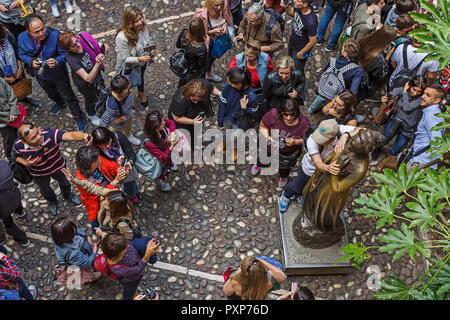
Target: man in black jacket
point(283, 83)
point(11, 201)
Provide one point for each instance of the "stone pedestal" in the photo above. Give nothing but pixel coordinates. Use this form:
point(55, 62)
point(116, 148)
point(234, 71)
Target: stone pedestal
point(299, 260)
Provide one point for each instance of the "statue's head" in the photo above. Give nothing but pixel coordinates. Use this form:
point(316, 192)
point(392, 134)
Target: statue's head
point(365, 140)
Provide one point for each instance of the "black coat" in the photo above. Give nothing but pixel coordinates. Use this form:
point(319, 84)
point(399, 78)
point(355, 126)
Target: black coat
point(10, 197)
point(195, 55)
point(274, 90)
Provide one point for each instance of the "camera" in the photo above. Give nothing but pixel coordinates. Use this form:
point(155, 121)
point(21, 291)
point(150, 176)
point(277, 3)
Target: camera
point(150, 294)
point(42, 67)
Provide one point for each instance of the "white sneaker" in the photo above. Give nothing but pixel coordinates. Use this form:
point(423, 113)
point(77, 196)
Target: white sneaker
point(55, 11)
point(69, 8)
point(94, 120)
point(134, 140)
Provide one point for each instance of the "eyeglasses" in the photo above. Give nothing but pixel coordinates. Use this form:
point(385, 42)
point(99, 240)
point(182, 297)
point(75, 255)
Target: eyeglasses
point(250, 267)
point(253, 21)
point(28, 130)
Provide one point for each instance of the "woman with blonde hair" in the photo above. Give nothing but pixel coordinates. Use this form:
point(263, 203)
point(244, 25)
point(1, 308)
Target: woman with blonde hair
point(255, 277)
point(257, 62)
point(215, 14)
point(133, 46)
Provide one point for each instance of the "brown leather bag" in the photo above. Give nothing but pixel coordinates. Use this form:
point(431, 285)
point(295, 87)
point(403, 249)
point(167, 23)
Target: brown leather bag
point(22, 88)
point(385, 111)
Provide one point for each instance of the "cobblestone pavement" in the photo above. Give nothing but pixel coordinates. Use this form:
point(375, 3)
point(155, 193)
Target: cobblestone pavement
point(214, 216)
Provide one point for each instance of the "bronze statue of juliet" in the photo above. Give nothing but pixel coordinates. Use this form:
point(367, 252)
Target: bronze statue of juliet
point(319, 224)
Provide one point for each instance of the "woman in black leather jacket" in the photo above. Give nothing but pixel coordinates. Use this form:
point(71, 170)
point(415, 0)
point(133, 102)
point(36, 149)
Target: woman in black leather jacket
point(283, 83)
point(192, 40)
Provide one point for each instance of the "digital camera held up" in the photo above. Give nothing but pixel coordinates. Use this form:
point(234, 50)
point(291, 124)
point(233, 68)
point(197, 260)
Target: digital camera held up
point(43, 66)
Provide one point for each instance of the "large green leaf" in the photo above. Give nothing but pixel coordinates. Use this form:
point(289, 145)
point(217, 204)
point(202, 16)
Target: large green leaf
point(401, 181)
point(424, 211)
point(381, 205)
point(444, 9)
point(437, 183)
point(394, 289)
point(439, 146)
point(357, 252)
point(441, 281)
point(402, 242)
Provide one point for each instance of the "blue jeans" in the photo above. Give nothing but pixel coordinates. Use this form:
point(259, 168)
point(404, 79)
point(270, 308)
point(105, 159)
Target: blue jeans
point(130, 188)
point(129, 289)
point(339, 23)
point(140, 244)
point(318, 103)
point(399, 143)
point(295, 188)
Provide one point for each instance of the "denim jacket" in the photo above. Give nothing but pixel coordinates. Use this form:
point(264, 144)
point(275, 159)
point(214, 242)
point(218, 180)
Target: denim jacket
point(81, 254)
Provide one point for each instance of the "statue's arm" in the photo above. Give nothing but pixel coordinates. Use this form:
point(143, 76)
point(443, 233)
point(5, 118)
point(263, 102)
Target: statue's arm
point(350, 180)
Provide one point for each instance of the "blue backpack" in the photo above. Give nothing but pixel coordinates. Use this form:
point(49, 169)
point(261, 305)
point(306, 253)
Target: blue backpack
point(146, 163)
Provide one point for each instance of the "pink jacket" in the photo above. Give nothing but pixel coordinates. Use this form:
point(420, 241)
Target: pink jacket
point(203, 13)
point(164, 154)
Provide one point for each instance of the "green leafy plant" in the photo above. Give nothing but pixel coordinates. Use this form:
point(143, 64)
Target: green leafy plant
point(425, 193)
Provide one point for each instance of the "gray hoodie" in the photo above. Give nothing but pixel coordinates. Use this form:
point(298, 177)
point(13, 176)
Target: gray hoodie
point(8, 103)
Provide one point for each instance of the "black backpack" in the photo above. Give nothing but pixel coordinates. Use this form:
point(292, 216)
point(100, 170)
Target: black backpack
point(338, 4)
point(178, 63)
point(306, 136)
point(405, 74)
point(274, 18)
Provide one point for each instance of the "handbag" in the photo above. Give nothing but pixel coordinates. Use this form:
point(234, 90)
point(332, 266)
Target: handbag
point(65, 273)
point(133, 74)
point(137, 233)
point(385, 111)
point(146, 163)
point(243, 120)
point(21, 173)
point(132, 176)
point(220, 45)
point(22, 88)
point(178, 63)
point(23, 113)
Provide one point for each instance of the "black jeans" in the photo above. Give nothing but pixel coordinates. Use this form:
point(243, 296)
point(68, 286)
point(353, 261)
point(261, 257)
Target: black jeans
point(12, 229)
point(129, 289)
point(141, 87)
point(60, 91)
point(44, 185)
point(299, 64)
point(9, 135)
point(89, 93)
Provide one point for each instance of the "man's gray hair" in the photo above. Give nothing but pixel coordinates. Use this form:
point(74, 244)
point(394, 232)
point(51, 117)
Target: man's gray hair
point(257, 9)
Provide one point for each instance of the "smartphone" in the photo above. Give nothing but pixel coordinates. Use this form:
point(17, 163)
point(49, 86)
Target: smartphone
point(156, 239)
point(201, 114)
point(151, 293)
point(102, 48)
point(307, 55)
point(149, 49)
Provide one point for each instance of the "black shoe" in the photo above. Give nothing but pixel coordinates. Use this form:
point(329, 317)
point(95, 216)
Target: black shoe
point(329, 49)
point(25, 243)
point(53, 208)
point(145, 104)
point(375, 153)
point(74, 199)
point(32, 102)
point(20, 215)
point(319, 42)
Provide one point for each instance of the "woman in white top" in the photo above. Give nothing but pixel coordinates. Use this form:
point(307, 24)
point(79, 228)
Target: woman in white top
point(132, 45)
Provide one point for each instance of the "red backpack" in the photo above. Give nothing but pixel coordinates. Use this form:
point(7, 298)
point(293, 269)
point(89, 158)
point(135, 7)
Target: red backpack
point(101, 265)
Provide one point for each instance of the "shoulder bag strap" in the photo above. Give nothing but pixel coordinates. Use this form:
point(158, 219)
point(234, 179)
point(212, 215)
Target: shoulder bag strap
point(41, 47)
point(405, 56)
point(128, 222)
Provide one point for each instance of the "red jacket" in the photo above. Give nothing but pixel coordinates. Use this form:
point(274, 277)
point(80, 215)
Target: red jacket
point(165, 154)
point(91, 201)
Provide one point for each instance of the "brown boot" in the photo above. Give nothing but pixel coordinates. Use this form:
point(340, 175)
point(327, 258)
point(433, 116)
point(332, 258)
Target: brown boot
point(388, 162)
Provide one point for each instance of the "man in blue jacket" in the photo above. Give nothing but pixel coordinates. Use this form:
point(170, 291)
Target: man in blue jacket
point(49, 66)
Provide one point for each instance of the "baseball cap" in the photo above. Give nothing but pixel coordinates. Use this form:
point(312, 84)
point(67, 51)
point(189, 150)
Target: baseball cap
point(326, 130)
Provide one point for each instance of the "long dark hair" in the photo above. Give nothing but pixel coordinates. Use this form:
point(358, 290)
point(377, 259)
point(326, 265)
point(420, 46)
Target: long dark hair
point(63, 230)
point(152, 122)
point(119, 205)
point(240, 75)
point(288, 105)
point(373, 44)
point(102, 136)
point(196, 33)
point(84, 159)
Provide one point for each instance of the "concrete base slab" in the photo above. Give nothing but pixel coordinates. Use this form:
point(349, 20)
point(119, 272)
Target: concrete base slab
point(300, 260)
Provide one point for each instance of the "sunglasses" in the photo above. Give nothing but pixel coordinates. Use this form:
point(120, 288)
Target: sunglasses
point(289, 114)
point(195, 99)
point(154, 117)
point(28, 130)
